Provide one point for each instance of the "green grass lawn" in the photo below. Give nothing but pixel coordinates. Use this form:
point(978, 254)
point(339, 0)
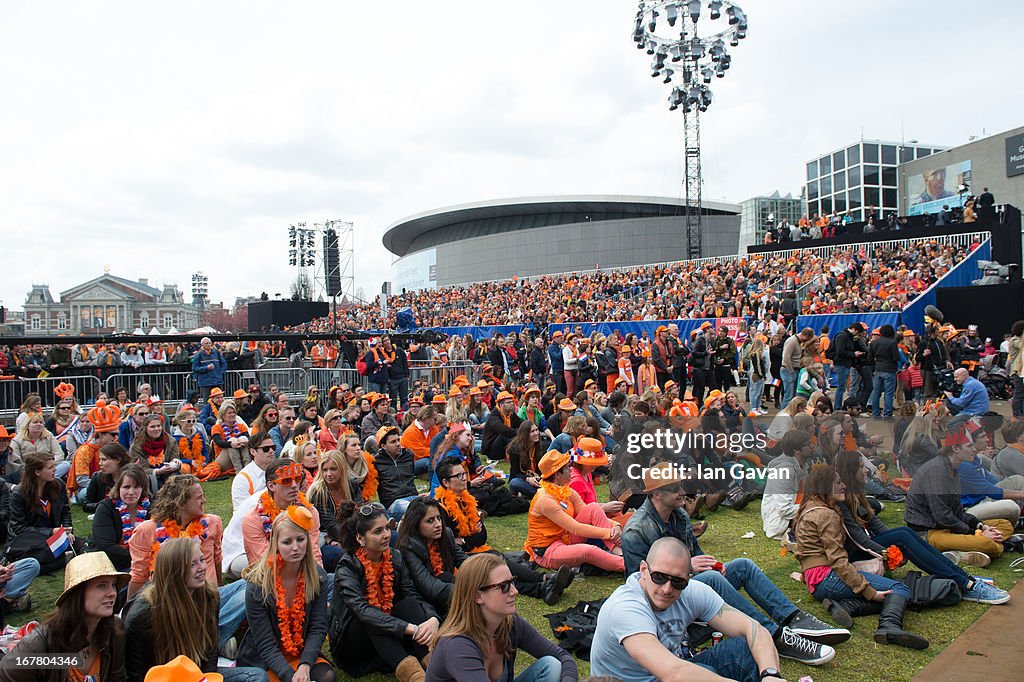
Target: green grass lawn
point(859, 659)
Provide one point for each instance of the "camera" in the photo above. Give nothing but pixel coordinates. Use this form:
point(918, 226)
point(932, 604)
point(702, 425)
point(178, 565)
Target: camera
point(944, 379)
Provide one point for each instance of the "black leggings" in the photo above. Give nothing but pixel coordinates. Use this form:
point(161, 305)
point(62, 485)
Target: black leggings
point(359, 645)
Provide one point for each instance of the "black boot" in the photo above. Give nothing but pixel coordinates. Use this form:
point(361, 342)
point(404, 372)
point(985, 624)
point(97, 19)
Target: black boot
point(890, 625)
point(843, 609)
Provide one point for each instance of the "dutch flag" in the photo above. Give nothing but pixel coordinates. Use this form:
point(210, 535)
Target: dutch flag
point(58, 542)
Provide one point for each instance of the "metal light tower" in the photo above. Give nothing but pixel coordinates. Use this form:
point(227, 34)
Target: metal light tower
point(667, 29)
point(200, 290)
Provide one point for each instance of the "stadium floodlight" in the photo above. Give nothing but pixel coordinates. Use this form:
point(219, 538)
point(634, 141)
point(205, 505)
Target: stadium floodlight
point(671, 14)
point(693, 8)
point(716, 9)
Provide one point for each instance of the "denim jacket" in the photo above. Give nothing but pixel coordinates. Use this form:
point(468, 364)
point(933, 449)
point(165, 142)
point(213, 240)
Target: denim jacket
point(646, 526)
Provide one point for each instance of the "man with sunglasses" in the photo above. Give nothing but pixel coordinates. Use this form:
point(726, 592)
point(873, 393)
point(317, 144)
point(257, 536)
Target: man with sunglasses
point(253, 476)
point(248, 533)
point(797, 635)
point(642, 629)
point(283, 430)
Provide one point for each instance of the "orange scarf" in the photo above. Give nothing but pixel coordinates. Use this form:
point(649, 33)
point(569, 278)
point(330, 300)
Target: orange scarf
point(559, 493)
point(461, 508)
point(436, 564)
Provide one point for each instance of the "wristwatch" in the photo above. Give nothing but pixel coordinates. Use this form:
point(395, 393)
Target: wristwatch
point(770, 672)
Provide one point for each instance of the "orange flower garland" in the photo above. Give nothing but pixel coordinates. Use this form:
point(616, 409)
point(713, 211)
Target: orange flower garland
point(380, 580)
point(436, 563)
point(894, 557)
point(461, 508)
point(170, 529)
point(290, 617)
point(559, 493)
point(369, 490)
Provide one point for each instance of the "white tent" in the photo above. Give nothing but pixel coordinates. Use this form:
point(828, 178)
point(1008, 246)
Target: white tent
point(154, 332)
point(202, 330)
point(138, 332)
point(173, 331)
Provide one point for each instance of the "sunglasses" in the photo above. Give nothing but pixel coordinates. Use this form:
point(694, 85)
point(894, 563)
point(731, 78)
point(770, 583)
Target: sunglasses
point(660, 578)
point(265, 448)
point(289, 419)
point(371, 509)
point(271, 414)
point(287, 481)
point(188, 421)
point(504, 586)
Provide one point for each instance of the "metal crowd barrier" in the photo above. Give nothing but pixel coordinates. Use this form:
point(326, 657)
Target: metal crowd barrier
point(443, 375)
point(170, 386)
point(291, 381)
point(324, 378)
point(13, 391)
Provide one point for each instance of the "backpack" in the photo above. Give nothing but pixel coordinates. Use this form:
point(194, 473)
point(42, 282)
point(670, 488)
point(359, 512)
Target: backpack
point(930, 590)
point(830, 352)
point(361, 366)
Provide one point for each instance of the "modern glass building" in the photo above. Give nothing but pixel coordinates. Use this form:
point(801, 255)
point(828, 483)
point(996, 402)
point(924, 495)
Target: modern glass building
point(860, 176)
point(754, 214)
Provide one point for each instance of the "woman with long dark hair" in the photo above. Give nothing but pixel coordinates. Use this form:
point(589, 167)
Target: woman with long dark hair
point(83, 622)
point(156, 451)
point(40, 504)
point(176, 615)
point(117, 515)
point(112, 458)
point(483, 633)
point(379, 621)
point(524, 451)
point(826, 567)
point(286, 605)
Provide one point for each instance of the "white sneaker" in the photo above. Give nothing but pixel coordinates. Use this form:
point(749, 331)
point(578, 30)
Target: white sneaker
point(968, 558)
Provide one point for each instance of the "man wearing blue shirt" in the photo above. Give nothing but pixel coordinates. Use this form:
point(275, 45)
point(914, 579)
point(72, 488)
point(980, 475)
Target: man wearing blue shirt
point(641, 633)
point(972, 401)
point(982, 494)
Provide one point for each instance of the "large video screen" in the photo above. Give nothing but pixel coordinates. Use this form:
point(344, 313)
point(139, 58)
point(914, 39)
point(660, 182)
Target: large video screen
point(929, 192)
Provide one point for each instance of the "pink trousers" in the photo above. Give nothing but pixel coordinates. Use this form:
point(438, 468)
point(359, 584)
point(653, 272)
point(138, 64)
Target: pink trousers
point(579, 551)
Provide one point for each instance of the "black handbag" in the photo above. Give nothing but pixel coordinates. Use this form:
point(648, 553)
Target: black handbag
point(931, 590)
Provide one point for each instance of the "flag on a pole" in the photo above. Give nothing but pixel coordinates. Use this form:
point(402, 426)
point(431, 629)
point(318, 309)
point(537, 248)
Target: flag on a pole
point(58, 542)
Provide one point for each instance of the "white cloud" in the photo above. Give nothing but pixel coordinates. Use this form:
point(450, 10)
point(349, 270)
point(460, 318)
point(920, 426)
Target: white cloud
point(167, 139)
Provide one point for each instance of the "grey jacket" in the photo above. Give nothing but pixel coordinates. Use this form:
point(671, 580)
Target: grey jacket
point(933, 502)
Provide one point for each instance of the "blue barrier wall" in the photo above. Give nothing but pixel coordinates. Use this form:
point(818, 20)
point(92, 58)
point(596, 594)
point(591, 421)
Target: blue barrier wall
point(838, 322)
point(632, 327)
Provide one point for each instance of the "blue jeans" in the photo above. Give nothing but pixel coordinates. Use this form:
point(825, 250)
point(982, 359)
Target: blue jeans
point(243, 674)
point(788, 385)
point(756, 389)
point(232, 609)
point(880, 379)
point(745, 574)
point(397, 509)
point(730, 658)
point(544, 669)
point(917, 550)
point(421, 466)
point(63, 468)
point(842, 375)
point(331, 554)
point(519, 485)
point(833, 587)
point(25, 571)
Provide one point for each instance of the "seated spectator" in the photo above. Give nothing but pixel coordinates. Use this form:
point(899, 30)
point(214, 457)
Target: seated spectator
point(934, 507)
point(867, 537)
point(559, 524)
point(118, 515)
point(379, 621)
point(175, 616)
point(130, 427)
point(826, 567)
point(417, 438)
point(395, 467)
point(379, 416)
point(5, 453)
point(208, 415)
point(362, 472)
point(33, 438)
point(286, 603)
point(111, 460)
point(523, 454)
point(156, 451)
point(782, 486)
point(798, 635)
point(587, 456)
point(86, 459)
point(230, 438)
point(985, 496)
point(40, 507)
point(1010, 460)
point(333, 431)
point(193, 443)
point(83, 621)
point(973, 398)
point(641, 632)
point(500, 428)
point(253, 478)
point(485, 594)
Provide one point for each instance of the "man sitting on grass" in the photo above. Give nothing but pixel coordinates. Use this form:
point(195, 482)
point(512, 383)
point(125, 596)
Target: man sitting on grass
point(797, 635)
point(641, 633)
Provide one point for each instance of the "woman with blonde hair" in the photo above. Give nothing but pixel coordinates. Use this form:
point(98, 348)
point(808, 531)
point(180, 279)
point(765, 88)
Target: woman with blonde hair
point(362, 472)
point(306, 456)
point(483, 633)
point(334, 429)
point(230, 438)
point(574, 429)
point(193, 445)
point(33, 438)
point(921, 441)
point(646, 375)
point(286, 605)
point(329, 489)
point(783, 421)
point(32, 404)
point(176, 615)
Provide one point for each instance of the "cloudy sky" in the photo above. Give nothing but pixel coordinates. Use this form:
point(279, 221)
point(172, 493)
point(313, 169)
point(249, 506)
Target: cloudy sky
point(166, 138)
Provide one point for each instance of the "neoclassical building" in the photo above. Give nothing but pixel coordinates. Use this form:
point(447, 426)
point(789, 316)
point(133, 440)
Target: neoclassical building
point(108, 304)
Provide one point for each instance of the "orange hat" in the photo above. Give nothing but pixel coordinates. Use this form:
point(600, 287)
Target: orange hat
point(957, 436)
point(454, 392)
point(566, 405)
point(458, 427)
point(482, 383)
point(104, 419)
point(64, 390)
point(301, 517)
point(589, 452)
point(625, 349)
point(503, 396)
point(462, 380)
point(557, 334)
point(669, 384)
point(383, 432)
point(439, 399)
point(588, 383)
point(181, 669)
point(416, 400)
point(377, 397)
point(661, 328)
point(655, 389)
point(475, 391)
point(4, 435)
point(661, 475)
point(239, 394)
point(647, 352)
point(571, 336)
point(530, 390)
point(154, 400)
point(216, 391)
point(705, 325)
point(552, 462)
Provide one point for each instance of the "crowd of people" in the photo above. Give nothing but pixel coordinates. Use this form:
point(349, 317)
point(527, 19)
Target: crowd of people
point(359, 517)
point(847, 280)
